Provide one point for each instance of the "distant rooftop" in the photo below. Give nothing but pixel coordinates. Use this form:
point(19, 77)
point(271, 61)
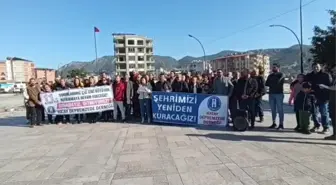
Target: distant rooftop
point(121, 34)
point(45, 69)
point(237, 55)
point(17, 58)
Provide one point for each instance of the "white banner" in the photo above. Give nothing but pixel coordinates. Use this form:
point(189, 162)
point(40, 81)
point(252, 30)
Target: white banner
point(78, 101)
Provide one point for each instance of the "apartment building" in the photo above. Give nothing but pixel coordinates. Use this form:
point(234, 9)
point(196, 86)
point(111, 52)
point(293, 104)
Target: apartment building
point(238, 62)
point(45, 74)
point(133, 53)
point(2, 71)
point(18, 69)
point(197, 66)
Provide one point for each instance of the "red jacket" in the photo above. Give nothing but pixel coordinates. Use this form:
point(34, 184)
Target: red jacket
point(119, 90)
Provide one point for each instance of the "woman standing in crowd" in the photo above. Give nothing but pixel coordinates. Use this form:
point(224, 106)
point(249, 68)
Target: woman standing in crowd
point(91, 117)
point(295, 88)
point(78, 85)
point(144, 92)
point(135, 100)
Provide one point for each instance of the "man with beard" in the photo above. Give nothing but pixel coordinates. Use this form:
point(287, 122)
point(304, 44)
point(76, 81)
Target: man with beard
point(179, 85)
point(245, 91)
point(260, 93)
point(162, 85)
point(332, 103)
point(222, 85)
point(275, 81)
point(316, 78)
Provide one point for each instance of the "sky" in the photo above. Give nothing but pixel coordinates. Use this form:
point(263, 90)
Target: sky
point(55, 32)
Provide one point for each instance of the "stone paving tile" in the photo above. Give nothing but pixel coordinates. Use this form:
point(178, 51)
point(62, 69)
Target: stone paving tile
point(127, 154)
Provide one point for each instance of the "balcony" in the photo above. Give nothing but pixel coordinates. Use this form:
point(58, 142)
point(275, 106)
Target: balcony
point(119, 45)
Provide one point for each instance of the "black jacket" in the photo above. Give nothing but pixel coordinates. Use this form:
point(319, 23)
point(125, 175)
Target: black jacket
point(247, 87)
point(180, 86)
point(261, 86)
point(198, 88)
point(162, 86)
point(275, 82)
point(321, 95)
point(304, 102)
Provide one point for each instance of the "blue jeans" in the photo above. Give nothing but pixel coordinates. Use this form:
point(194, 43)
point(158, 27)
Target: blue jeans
point(276, 104)
point(323, 109)
point(145, 109)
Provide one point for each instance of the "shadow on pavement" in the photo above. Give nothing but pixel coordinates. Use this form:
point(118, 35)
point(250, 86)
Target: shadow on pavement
point(273, 139)
point(15, 121)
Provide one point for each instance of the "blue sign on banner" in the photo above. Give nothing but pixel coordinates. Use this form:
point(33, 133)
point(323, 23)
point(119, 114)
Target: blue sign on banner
point(189, 109)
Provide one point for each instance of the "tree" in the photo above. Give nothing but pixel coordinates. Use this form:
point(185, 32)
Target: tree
point(323, 43)
point(78, 73)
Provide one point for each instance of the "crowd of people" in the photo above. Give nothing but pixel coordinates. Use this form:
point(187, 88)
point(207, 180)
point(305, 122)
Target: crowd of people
point(311, 94)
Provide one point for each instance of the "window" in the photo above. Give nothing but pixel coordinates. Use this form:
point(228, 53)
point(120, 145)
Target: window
point(131, 58)
point(132, 66)
point(141, 58)
point(148, 58)
point(149, 50)
point(3, 78)
point(121, 50)
point(121, 66)
point(130, 42)
point(141, 66)
point(140, 42)
point(3, 74)
point(131, 50)
point(140, 50)
point(121, 59)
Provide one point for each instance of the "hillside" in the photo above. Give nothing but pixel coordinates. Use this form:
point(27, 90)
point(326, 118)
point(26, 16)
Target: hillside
point(288, 58)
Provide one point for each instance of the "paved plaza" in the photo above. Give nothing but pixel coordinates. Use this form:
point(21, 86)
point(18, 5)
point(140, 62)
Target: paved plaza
point(135, 154)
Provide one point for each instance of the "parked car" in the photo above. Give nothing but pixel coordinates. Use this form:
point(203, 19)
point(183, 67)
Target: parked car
point(6, 88)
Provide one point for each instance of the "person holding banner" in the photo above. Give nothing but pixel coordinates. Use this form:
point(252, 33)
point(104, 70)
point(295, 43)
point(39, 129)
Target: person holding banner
point(145, 91)
point(77, 85)
point(91, 117)
point(119, 91)
point(60, 118)
point(33, 92)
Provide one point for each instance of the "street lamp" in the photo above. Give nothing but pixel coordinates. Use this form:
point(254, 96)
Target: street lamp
point(297, 38)
point(204, 56)
point(301, 41)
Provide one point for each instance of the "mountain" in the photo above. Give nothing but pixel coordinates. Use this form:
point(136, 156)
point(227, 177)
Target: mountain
point(288, 58)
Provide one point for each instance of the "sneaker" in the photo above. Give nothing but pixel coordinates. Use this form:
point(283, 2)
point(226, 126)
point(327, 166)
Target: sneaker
point(325, 130)
point(315, 129)
point(273, 125)
point(31, 126)
point(124, 120)
point(280, 127)
point(251, 127)
point(59, 123)
point(332, 137)
point(142, 121)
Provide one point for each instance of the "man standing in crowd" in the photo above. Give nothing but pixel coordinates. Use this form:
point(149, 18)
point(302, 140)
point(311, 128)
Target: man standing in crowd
point(260, 93)
point(119, 97)
point(332, 103)
point(275, 81)
point(246, 90)
point(317, 77)
point(34, 103)
point(194, 86)
point(162, 85)
point(179, 85)
point(222, 85)
point(129, 96)
point(60, 118)
point(233, 101)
